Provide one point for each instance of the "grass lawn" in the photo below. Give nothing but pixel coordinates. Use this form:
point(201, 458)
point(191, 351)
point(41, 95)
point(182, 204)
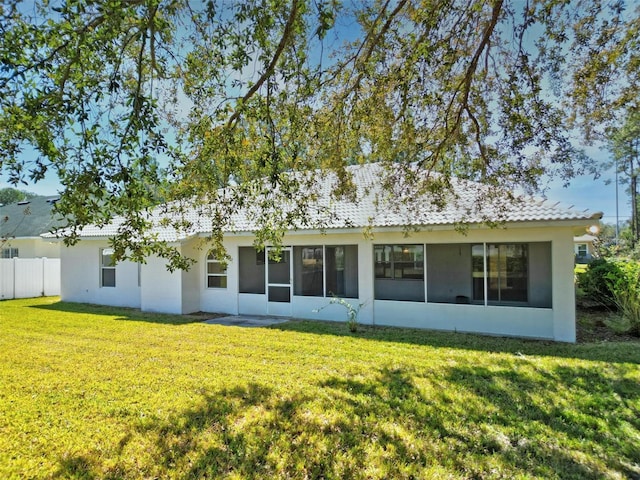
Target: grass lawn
point(101, 392)
point(580, 268)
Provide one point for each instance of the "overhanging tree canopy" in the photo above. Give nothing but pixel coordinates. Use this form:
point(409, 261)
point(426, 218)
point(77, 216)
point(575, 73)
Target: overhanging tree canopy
point(122, 98)
point(624, 145)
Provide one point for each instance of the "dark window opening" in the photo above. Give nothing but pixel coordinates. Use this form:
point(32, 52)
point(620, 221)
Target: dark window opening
point(399, 272)
point(308, 269)
point(251, 270)
point(342, 271)
point(107, 268)
point(507, 273)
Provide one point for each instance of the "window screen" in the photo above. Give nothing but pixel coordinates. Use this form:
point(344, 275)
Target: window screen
point(399, 272)
point(251, 270)
point(341, 271)
point(308, 267)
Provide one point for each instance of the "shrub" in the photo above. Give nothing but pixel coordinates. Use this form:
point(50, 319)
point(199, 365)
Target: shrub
point(595, 282)
point(624, 283)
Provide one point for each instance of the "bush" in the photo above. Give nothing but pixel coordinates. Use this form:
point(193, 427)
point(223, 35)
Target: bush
point(624, 283)
point(595, 282)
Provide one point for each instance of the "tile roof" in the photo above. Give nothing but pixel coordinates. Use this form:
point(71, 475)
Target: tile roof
point(372, 207)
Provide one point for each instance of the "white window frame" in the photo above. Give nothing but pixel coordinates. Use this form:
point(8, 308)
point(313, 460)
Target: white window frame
point(103, 267)
point(210, 259)
point(583, 250)
point(10, 252)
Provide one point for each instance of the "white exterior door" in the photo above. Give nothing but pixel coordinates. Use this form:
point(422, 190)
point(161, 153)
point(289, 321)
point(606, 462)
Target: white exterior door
point(279, 283)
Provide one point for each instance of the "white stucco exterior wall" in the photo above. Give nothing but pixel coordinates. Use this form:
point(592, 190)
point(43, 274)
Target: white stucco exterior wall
point(190, 281)
point(80, 277)
point(34, 247)
point(564, 293)
point(221, 300)
point(185, 292)
point(161, 290)
point(557, 323)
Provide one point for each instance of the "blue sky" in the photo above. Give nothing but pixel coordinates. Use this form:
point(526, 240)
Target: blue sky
point(594, 194)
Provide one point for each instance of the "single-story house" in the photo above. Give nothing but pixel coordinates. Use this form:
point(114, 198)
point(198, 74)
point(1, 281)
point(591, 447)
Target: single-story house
point(21, 227)
point(515, 279)
point(584, 248)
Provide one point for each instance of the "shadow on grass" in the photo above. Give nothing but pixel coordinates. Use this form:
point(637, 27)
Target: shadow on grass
point(396, 423)
point(78, 466)
point(616, 352)
point(123, 313)
point(599, 418)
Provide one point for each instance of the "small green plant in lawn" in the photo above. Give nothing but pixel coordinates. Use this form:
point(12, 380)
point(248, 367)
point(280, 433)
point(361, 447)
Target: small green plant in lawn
point(624, 283)
point(352, 312)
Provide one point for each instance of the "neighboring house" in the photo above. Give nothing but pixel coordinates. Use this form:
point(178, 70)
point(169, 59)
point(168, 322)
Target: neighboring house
point(29, 264)
point(515, 279)
point(583, 248)
point(21, 227)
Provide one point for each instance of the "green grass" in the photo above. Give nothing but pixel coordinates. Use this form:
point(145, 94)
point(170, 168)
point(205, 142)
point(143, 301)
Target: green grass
point(580, 268)
point(96, 392)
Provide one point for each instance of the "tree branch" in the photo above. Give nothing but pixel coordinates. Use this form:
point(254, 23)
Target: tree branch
point(373, 43)
point(37, 65)
point(286, 34)
point(80, 31)
point(464, 87)
point(136, 99)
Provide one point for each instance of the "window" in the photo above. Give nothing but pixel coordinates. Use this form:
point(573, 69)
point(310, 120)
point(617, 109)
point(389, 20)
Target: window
point(216, 272)
point(477, 275)
point(251, 270)
point(330, 271)
point(399, 261)
point(341, 271)
point(399, 272)
point(448, 267)
point(107, 268)
point(582, 250)
point(507, 276)
point(9, 252)
point(308, 268)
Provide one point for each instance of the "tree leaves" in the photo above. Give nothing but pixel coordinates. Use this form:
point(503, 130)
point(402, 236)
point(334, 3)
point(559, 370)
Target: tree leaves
point(131, 102)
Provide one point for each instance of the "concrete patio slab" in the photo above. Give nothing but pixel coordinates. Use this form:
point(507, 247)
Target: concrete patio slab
point(247, 321)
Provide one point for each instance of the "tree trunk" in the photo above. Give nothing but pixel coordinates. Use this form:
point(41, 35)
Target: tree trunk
point(634, 204)
point(634, 162)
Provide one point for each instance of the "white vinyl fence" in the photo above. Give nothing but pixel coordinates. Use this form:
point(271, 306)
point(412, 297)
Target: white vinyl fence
point(29, 277)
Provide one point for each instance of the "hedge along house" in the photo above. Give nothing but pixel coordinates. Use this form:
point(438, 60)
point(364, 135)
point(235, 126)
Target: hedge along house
point(515, 279)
